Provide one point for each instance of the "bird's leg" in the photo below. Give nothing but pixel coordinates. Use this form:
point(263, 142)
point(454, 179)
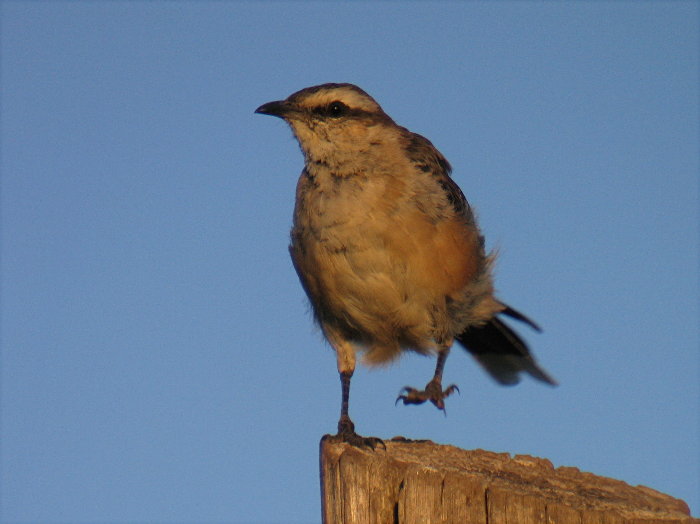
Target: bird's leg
point(433, 390)
point(346, 429)
point(345, 425)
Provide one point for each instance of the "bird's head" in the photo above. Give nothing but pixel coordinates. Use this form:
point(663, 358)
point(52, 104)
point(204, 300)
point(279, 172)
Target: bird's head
point(332, 121)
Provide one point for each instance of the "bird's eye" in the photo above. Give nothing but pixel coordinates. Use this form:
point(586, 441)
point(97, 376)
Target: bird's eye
point(336, 109)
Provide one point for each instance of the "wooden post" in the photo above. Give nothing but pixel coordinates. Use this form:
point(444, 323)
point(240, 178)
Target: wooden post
point(420, 482)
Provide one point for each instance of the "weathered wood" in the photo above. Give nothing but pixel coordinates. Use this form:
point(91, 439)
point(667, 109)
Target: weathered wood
point(420, 482)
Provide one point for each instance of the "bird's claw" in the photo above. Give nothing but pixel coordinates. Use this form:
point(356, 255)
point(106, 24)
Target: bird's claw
point(346, 433)
point(433, 392)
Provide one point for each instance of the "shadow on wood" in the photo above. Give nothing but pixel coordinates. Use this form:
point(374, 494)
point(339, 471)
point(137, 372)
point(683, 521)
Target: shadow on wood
point(412, 482)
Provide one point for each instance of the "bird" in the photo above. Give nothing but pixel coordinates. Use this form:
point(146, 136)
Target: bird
point(388, 249)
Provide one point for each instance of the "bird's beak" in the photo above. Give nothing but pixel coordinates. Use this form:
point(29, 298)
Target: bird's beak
point(280, 108)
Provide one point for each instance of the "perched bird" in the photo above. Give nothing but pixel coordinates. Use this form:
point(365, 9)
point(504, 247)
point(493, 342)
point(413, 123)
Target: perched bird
point(387, 247)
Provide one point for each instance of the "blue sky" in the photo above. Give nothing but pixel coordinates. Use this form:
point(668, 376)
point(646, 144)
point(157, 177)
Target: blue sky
point(159, 363)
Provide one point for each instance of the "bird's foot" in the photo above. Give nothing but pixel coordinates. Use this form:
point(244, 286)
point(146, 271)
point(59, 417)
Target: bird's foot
point(346, 433)
point(433, 392)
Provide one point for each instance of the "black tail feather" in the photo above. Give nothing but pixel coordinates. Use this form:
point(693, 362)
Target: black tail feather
point(514, 313)
point(501, 351)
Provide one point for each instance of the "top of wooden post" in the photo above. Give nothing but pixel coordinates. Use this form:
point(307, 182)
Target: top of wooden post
point(420, 481)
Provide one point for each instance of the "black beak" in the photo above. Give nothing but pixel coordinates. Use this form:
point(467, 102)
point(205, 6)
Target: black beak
point(280, 108)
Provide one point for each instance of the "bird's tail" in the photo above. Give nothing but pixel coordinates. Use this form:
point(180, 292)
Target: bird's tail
point(501, 351)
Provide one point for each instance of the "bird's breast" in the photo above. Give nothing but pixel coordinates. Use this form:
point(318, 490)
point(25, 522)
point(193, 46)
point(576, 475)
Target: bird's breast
point(339, 210)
